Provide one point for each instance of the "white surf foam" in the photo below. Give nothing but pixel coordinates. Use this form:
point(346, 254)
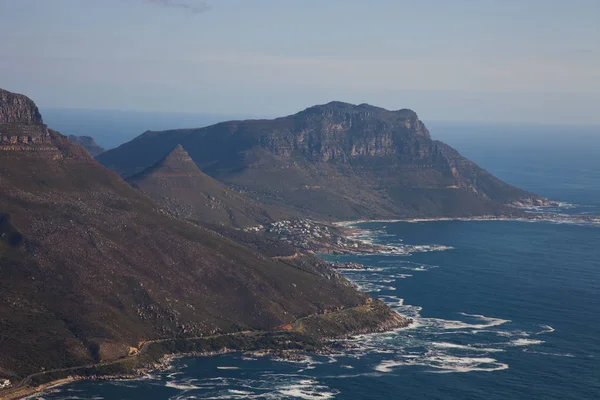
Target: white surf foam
point(485, 322)
point(307, 389)
point(545, 329)
point(444, 364)
point(240, 392)
point(557, 217)
point(387, 366)
point(182, 386)
point(526, 342)
point(446, 345)
point(549, 354)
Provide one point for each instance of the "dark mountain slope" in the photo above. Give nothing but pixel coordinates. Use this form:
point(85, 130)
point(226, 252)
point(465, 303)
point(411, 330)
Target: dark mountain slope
point(178, 184)
point(336, 161)
point(88, 143)
point(89, 266)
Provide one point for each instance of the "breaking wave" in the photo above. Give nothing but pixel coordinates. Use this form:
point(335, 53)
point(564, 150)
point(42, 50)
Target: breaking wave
point(475, 338)
point(266, 386)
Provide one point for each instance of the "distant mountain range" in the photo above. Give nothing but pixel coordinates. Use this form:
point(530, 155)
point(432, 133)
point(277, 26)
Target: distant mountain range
point(110, 128)
point(88, 143)
point(336, 161)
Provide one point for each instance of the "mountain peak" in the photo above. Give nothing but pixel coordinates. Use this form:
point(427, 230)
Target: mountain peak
point(176, 163)
point(179, 150)
point(178, 155)
point(181, 187)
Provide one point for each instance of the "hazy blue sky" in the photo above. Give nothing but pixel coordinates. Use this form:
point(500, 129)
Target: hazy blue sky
point(492, 60)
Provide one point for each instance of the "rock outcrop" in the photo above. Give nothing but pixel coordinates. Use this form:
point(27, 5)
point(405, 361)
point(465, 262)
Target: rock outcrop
point(334, 161)
point(18, 109)
point(21, 124)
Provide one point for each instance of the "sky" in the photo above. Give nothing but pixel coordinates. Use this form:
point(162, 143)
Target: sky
point(521, 61)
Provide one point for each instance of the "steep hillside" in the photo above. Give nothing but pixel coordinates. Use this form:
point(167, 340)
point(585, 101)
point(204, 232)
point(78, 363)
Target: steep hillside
point(90, 266)
point(177, 183)
point(335, 161)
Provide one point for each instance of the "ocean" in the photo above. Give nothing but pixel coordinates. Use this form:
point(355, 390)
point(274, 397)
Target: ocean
point(501, 309)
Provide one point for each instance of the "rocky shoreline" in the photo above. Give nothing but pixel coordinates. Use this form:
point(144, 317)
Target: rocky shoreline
point(345, 238)
point(531, 214)
point(315, 334)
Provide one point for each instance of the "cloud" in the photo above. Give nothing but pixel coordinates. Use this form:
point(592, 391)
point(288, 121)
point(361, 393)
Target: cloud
point(195, 7)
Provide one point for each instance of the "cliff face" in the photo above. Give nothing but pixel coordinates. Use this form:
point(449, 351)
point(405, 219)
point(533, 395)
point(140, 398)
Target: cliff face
point(334, 161)
point(89, 266)
point(183, 189)
point(21, 124)
point(17, 108)
point(342, 132)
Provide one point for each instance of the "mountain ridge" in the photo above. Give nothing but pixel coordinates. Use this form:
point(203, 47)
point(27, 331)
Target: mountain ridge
point(336, 161)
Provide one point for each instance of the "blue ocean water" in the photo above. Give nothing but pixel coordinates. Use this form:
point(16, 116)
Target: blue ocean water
point(502, 309)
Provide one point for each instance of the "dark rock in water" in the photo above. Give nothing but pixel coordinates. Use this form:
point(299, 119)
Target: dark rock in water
point(346, 265)
point(335, 161)
point(88, 143)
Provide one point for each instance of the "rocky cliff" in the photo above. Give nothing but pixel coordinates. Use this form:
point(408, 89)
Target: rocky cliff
point(335, 161)
point(21, 125)
point(18, 109)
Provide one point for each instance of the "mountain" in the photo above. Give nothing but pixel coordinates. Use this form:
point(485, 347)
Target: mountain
point(88, 143)
point(334, 161)
point(177, 183)
point(90, 267)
